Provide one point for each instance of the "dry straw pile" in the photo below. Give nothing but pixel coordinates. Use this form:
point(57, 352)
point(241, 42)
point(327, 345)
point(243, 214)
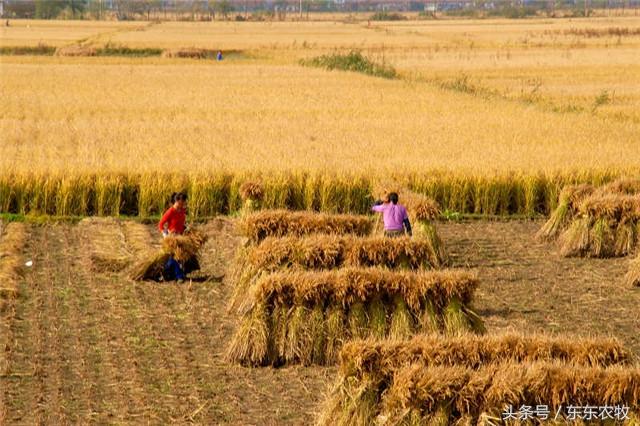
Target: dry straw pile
point(280, 223)
point(13, 238)
point(596, 222)
point(318, 252)
point(436, 380)
point(304, 317)
point(183, 248)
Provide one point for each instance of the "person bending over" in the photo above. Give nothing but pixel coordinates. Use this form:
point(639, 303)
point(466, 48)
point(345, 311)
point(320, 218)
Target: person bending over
point(394, 215)
point(173, 223)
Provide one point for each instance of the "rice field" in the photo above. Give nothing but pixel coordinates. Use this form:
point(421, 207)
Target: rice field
point(513, 144)
point(480, 107)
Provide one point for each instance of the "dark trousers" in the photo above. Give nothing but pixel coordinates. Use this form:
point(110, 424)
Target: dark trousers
point(173, 270)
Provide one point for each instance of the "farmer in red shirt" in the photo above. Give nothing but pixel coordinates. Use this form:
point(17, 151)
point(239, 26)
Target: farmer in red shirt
point(173, 222)
point(395, 217)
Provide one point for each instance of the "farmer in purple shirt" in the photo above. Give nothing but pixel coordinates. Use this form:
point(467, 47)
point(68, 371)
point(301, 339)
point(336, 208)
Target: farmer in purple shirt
point(396, 219)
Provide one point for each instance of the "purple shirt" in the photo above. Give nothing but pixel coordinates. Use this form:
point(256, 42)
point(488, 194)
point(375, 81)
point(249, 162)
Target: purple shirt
point(393, 215)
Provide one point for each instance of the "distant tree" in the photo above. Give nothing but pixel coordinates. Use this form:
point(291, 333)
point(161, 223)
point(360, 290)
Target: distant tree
point(76, 7)
point(281, 9)
point(49, 9)
point(224, 8)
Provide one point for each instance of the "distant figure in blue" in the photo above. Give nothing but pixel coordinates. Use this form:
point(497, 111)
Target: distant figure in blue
point(219, 56)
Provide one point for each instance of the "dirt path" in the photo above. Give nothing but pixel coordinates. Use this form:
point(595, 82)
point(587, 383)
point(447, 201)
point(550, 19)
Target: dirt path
point(94, 347)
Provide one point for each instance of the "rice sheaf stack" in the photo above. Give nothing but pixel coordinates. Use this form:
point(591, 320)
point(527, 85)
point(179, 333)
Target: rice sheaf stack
point(469, 379)
point(305, 317)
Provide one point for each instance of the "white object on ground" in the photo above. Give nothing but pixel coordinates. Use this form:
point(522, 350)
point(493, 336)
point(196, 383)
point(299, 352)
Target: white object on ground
point(29, 263)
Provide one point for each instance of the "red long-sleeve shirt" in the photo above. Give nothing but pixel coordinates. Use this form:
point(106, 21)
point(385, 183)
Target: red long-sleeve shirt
point(175, 220)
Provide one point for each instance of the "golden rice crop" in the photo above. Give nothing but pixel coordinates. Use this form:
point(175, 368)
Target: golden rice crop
point(355, 302)
point(13, 238)
point(280, 223)
point(314, 134)
point(370, 370)
point(183, 248)
point(418, 392)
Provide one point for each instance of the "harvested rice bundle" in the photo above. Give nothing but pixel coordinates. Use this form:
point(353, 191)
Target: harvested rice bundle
point(607, 226)
point(354, 302)
point(183, 248)
point(621, 186)
point(252, 194)
point(328, 252)
point(368, 368)
point(420, 207)
point(633, 276)
point(12, 241)
point(371, 357)
point(570, 198)
point(280, 223)
point(422, 390)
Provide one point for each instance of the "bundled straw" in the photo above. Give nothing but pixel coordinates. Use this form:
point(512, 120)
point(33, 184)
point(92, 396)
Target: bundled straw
point(420, 207)
point(251, 191)
point(606, 226)
point(382, 357)
point(633, 276)
point(12, 241)
point(315, 312)
point(328, 252)
point(252, 194)
point(419, 393)
point(280, 223)
point(571, 198)
point(370, 369)
point(183, 248)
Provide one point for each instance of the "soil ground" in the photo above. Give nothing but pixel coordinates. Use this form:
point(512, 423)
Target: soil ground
point(91, 346)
